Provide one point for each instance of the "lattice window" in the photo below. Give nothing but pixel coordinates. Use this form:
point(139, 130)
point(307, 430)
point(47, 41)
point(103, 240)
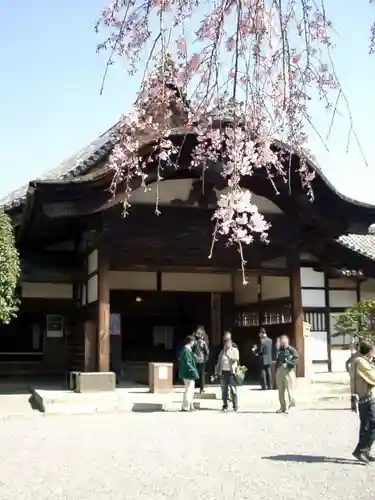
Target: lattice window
point(317, 320)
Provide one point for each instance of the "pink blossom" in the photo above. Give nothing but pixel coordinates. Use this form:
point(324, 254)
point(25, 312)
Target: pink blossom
point(248, 79)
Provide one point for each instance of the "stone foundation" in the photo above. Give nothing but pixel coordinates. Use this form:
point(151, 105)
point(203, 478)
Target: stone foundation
point(92, 381)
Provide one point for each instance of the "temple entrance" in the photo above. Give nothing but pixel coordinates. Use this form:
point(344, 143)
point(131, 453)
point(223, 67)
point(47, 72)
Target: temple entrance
point(154, 324)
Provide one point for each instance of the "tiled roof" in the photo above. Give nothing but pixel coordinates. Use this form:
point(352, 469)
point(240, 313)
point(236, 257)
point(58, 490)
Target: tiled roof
point(72, 167)
point(364, 244)
point(89, 156)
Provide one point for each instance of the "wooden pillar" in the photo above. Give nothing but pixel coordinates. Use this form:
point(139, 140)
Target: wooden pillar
point(89, 332)
point(103, 346)
point(216, 328)
point(328, 321)
point(88, 309)
point(297, 313)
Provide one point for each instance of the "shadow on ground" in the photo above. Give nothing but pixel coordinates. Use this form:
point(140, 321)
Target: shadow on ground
point(311, 459)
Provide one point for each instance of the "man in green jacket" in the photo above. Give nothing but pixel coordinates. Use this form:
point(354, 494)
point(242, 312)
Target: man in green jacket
point(188, 373)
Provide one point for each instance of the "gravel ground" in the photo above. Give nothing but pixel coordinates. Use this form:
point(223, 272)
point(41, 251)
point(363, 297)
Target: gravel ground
point(206, 455)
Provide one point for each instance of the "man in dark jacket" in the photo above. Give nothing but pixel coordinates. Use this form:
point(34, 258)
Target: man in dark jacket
point(264, 353)
point(188, 373)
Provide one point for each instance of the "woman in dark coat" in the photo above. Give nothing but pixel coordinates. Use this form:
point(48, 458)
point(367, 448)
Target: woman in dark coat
point(201, 352)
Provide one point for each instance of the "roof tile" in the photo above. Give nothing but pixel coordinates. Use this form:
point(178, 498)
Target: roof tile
point(89, 156)
point(364, 244)
point(76, 165)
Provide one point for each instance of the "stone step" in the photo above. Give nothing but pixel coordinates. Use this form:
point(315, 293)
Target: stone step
point(206, 395)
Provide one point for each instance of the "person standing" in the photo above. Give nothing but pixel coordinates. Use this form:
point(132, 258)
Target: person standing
point(274, 358)
point(286, 362)
point(201, 331)
point(362, 385)
point(188, 373)
point(228, 337)
point(353, 355)
point(226, 366)
point(201, 352)
point(264, 352)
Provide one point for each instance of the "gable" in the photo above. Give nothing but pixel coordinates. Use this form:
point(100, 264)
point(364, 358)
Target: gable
point(75, 166)
point(88, 158)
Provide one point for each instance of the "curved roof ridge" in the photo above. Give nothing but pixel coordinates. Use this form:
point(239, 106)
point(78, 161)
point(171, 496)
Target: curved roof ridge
point(74, 165)
point(95, 151)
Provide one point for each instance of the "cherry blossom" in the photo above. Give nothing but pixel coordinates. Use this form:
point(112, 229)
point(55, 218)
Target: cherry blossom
point(236, 74)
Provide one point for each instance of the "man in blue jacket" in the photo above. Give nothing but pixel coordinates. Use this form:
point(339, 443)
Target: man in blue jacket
point(188, 373)
point(264, 351)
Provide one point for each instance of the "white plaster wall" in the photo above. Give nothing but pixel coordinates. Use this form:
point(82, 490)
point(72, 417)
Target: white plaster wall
point(245, 294)
point(313, 298)
point(342, 298)
point(196, 282)
point(92, 262)
point(318, 346)
point(311, 278)
point(339, 358)
point(307, 257)
point(275, 287)
point(132, 280)
point(92, 289)
point(47, 290)
point(279, 263)
point(343, 282)
point(170, 190)
point(367, 290)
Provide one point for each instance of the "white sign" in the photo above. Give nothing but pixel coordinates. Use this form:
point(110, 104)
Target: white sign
point(115, 324)
point(163, 373)
point(55, 326)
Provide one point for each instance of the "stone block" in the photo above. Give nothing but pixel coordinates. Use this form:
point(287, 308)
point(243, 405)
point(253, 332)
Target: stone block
point(160, 377)
point(72, 380)
point(206, 395)
point(95, 382)
point(148, 406)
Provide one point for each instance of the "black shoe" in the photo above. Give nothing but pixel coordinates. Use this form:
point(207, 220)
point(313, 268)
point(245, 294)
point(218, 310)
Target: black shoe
point(235, 408)
point(224, 408)
point(370, 458)
point(361, 457)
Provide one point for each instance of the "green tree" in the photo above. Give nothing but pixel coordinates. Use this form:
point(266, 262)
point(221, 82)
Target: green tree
point(358, 321)
point(9, 270)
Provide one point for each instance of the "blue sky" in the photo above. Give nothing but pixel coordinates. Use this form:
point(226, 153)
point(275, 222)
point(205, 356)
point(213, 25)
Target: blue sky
point(51, 77)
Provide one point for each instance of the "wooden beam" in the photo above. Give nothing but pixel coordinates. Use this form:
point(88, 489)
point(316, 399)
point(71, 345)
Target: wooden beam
point(90, 341)
point(103, 314)
point(297, 313)
point(216, 328)
point(328, 321)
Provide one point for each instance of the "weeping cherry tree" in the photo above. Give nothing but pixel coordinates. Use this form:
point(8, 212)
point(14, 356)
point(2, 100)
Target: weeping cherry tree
point(256, 63)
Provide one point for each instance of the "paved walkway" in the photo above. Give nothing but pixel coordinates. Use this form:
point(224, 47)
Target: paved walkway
point(205, 455)
point(14, 397)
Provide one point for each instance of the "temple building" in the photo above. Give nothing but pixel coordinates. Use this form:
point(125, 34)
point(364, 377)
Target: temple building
point(100, 291)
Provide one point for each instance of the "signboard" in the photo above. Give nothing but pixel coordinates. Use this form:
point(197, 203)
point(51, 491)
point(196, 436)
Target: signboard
point(306, 329)
point(163, 373)
point(115, 324)
point(55, 326)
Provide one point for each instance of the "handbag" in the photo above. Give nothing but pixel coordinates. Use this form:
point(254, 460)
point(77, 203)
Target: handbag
point(240, 374)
